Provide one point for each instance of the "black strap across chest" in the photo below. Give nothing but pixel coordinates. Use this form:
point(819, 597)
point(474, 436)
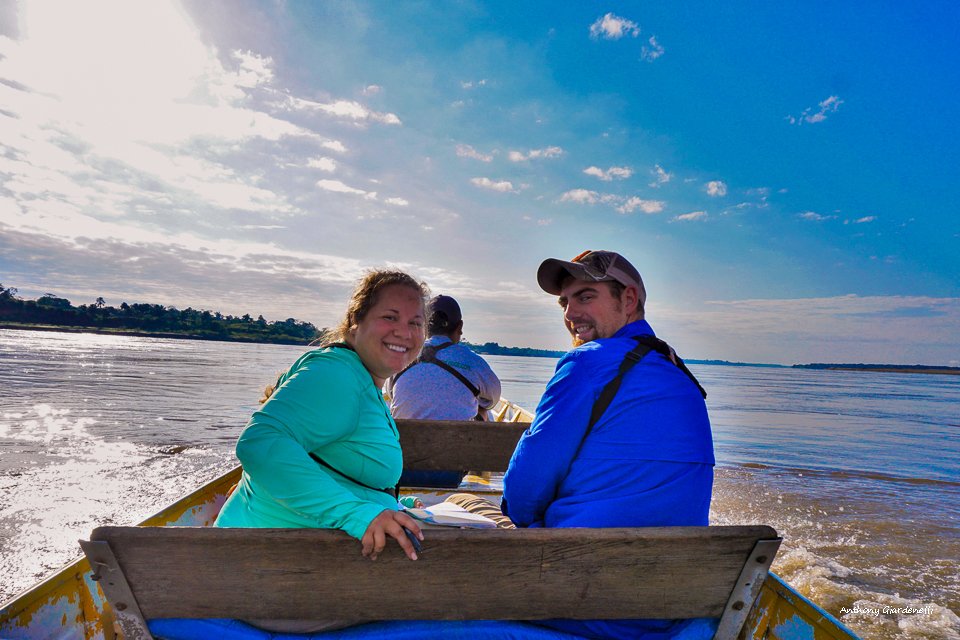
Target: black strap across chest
point(388, 490)
point(429, 355)
point(645, 344)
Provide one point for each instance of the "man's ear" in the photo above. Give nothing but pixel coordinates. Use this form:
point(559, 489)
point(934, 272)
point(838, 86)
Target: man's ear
point(630, 300)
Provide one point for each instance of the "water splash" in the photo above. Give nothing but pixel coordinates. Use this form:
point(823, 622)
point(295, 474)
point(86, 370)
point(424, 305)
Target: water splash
point(867, 533)
point(59, 481)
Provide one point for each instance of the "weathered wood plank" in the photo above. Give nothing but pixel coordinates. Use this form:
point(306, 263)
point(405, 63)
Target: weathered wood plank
point(524, 574)
point(469, 444)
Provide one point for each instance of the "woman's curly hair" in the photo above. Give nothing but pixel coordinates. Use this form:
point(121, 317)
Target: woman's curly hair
point(365, 296)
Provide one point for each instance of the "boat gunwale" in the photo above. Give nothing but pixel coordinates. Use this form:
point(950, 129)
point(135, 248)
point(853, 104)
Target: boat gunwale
point(812, 612)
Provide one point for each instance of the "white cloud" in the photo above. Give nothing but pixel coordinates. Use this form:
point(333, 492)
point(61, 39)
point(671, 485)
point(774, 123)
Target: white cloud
point(619, 173)
point(582, 196)
point(397, 202)
point(262, 227)
point(864, 219)
point(534, 154)
point(660, 177)
point(611, 27)
point(503, 186)
point(255, 70)
point(653, 51)
point(693, 215)
point(716, 188)
point(814, 216)
point(347, 109)
point(372, 89)
point(466, 151)
point(540, 222)
point(470, 84)
point(828, 106)
point(334, 145)
point(647, 206)
point(339, 187)
point(322, 163)
point(621, 204)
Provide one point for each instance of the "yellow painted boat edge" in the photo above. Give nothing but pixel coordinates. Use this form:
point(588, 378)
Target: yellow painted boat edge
point(781, 613)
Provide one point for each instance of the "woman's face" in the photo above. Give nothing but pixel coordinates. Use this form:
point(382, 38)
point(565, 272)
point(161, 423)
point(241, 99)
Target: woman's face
point(391, 334)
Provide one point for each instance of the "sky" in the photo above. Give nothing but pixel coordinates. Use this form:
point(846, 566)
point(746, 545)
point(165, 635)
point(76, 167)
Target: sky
point(783, 175)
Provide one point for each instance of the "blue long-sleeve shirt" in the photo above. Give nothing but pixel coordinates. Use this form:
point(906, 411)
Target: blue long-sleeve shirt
point(647, 462)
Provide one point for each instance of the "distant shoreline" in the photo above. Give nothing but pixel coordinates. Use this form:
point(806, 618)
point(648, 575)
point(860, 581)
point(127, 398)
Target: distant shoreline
point(497, 350)
point(948, 371)
point(139, 333)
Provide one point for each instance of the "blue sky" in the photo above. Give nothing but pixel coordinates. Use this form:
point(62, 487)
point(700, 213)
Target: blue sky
point(783, 175)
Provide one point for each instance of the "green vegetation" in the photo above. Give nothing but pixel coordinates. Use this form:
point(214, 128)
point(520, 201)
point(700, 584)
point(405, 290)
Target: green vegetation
point(895, 368)
point(494, 349)
point(50, 311)
point(728, 363)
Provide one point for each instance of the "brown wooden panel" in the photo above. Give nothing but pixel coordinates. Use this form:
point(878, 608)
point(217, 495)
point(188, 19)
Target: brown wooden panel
point(521, 574)
point(468, 444)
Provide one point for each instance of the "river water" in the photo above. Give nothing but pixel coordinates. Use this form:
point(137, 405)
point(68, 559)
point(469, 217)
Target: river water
point(859, 471)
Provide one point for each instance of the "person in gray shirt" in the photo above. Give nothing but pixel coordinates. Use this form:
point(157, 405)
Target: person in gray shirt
point(447, 382)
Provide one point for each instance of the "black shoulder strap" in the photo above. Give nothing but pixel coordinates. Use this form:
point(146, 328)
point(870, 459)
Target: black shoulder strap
point(390, 490)
point(606, 396)
point(338, 345)
point(645, 344)
point(658, 345)
point(429, 354)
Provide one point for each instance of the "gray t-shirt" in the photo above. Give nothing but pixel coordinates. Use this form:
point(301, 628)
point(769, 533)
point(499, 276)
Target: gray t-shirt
point(430, 392)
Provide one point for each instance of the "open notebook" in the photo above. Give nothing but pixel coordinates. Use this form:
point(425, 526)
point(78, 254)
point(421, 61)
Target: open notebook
point(450, 515)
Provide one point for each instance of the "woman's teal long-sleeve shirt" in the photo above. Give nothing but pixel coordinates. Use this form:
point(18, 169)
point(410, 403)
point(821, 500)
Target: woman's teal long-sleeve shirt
point(327, 405)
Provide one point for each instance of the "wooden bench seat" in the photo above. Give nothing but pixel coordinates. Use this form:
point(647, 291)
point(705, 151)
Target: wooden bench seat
point(462, 574)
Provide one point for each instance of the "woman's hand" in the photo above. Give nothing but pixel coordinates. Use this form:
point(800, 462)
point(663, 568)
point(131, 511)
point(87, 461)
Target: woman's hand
point(394, 524)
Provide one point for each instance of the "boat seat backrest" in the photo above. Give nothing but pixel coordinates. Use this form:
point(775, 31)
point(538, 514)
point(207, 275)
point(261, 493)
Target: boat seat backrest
point(462, 574)
point(432, 445)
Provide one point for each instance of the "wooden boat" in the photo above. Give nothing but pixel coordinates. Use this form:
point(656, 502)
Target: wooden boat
point(71, 605)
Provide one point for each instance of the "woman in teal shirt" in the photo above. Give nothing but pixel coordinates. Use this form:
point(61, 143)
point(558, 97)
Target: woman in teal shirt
point(323, 450)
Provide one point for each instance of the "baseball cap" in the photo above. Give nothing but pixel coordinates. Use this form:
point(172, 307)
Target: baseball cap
point(445, 309)
point(590, 266)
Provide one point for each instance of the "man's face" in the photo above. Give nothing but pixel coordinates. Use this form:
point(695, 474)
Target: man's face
point(590, 310)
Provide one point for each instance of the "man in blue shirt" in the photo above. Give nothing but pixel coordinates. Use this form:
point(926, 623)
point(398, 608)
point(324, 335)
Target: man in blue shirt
point(646, 461)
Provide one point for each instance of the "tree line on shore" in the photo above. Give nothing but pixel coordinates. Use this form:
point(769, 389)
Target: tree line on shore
point(495, 349)
point(878, 367)
point(155, 319)
point(51, 310)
